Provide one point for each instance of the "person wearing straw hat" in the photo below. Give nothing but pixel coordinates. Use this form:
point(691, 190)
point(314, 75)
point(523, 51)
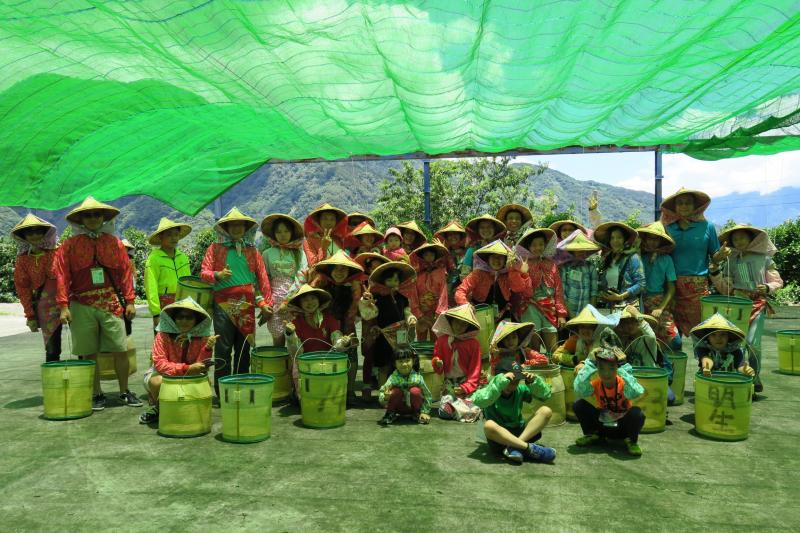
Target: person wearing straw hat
point(413, 237)
point(613, 389)
point(364, 239)
point(355, 219)
point(481, 231)
point(748, 271)
point(454, 237)
point(341, 277)
point(720, 346)
point(165, 265)
point(696, 242)
point(545, 308)
point(35, 281)
point(312, 328)
point(586, 330)
point(236, 270)
point(566, 228)
point(183, 346)
point(284, 260)
point(393, 249)
point(511, 340)
point(93, 273)
point(389, 299)
point(430, 294)
point(660, 278)
point(637, 338)
point(493, 282)
point(516, 217)
point(369, 330)
point(325, 229)
point(579, 275)
point(457, 354)
point(621, 271)
point(504, 426)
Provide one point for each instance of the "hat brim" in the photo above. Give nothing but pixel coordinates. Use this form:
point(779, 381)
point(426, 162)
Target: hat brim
point(525, 240)
point(527, 216)
point(109, 213)
point(666, 240)
point(335, 210)
point(556, 226)
point(499, 225)
point(602, 234)
point(407, 272)
point(155, 238)
point(700, 198)
point(17, 231)
point(322, 295)
point(269, 222)
point(754, 232)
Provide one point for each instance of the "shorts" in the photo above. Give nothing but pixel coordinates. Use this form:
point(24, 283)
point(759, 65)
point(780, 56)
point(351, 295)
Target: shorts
point(541, 324)
point(149, 373)
point(94, 331)
point(496, 447)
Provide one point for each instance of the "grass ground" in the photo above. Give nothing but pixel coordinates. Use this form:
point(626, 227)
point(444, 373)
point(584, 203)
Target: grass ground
point(109, 472)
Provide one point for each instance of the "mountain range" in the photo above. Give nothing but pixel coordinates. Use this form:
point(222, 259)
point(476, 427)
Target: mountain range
point(297, 188)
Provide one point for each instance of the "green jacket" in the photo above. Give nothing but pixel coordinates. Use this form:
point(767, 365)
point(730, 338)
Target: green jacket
point(583, 381)
point(161, 273)
point(507, 410)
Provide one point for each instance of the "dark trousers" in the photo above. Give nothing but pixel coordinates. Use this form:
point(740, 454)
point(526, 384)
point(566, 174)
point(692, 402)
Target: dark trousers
point(628, 426)
point(232, 348)
point(52, 348)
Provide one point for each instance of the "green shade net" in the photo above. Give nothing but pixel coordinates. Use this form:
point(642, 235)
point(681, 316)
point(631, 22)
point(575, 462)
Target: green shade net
point(179, 100)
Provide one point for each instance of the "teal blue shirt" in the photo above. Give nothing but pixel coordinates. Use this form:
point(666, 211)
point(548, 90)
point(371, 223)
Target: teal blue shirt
point(693, 247)
point(658, 273)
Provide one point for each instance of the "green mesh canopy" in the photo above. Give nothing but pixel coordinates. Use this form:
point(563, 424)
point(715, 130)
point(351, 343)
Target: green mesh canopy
point(179, 100)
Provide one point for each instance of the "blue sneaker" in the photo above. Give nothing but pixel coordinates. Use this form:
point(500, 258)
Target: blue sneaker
point(513, 455)
point(542, 454)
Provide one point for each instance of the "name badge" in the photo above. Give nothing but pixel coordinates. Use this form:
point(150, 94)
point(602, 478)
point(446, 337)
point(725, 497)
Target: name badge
point(575, 275)
point(98, 276)
point(402, 336)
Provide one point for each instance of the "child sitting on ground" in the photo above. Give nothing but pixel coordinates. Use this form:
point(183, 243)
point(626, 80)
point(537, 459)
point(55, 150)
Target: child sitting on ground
point(511, 340)
point(613, 389)
point(405, 392)
point(719, 346)
point(183, 346)
point(457, 353)
point(505, 428)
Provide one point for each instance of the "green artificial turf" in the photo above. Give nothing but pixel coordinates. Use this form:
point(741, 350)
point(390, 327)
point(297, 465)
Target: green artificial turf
point(108, 472)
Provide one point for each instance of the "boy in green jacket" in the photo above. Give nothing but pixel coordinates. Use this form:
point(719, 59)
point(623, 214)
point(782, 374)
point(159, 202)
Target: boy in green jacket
point(505, 429)
point(165, 265)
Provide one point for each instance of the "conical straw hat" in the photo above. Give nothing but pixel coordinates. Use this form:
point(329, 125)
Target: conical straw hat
point(30, 221)
point(527, 216)
point(367, 257)
point(411, 225)
point(436, 247)
point(603, 233)
point(323, 296)
point(367, 229)
point(166, 224)
point(581, 243)
point(556, 226)
point(464, 313)
point(327, 207)
point(585, 317)
point(506, 328)
point(452, 227)
point(499, 225)
point(725, 236)
point(406, 272)
point(339, 258)
point(357, 215)
point(700, 199)
point(234, 215)
point(647, 318)
point(186, 303)
point(90, 204)
point(127, 244)
point(268, 225)
point(657, 229)
point(497, 247)
point(713, 323)
point(530, 234)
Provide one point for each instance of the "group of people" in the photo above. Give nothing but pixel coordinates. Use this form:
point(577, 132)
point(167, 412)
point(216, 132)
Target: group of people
point(600, 300)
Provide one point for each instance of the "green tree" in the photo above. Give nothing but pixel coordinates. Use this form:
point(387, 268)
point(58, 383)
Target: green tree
point(195, 249)
point(459, 190)
point(633, 219)
point(787, 239)
point(141, 248)
point(8, 257)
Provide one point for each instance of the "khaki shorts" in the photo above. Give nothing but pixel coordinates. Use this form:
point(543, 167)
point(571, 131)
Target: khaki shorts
point(149, 373)
point(95, 331)
point(541, 324)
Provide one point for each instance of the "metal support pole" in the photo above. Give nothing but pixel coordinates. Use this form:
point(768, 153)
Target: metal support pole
point(426, 188)
point(658, 179)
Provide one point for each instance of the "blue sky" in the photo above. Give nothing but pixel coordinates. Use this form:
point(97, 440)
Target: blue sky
point(763, 174)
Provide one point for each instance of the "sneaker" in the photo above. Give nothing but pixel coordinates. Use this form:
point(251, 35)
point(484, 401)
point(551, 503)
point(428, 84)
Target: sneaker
point(633, 448)
point(98, 402)
point(149, 417)
point(129, 398)
point(758, 387)
point(388, 419)
point(539, 453)
point(587, 440)
point(514, 455)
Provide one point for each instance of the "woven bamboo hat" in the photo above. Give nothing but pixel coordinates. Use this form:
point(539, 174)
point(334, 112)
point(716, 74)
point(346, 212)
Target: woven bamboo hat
point(603, 233)
point(581, 243)
point(451, 227)
point(556, 226)
point(30, 221)
point(656, 229)
point(716, 322)
point(323, 296)
point(585, 318)
point(465, 313)
point(506, 328)
point(624, 315)
point(90, 204)
point(700, 199)
point(234, 215)
point(436, 247)
point(530, 234)
point(166, 224)
point(499, 225)
point(340, 258)
point(365, 258)
point(495, 248)
point(405, 270)
point(527, 216)
point(412, 226)
point(368, 229)
point(315, 213)
point(725, 236)
point(355, 218)
point(187, 303)
point(268, 225)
